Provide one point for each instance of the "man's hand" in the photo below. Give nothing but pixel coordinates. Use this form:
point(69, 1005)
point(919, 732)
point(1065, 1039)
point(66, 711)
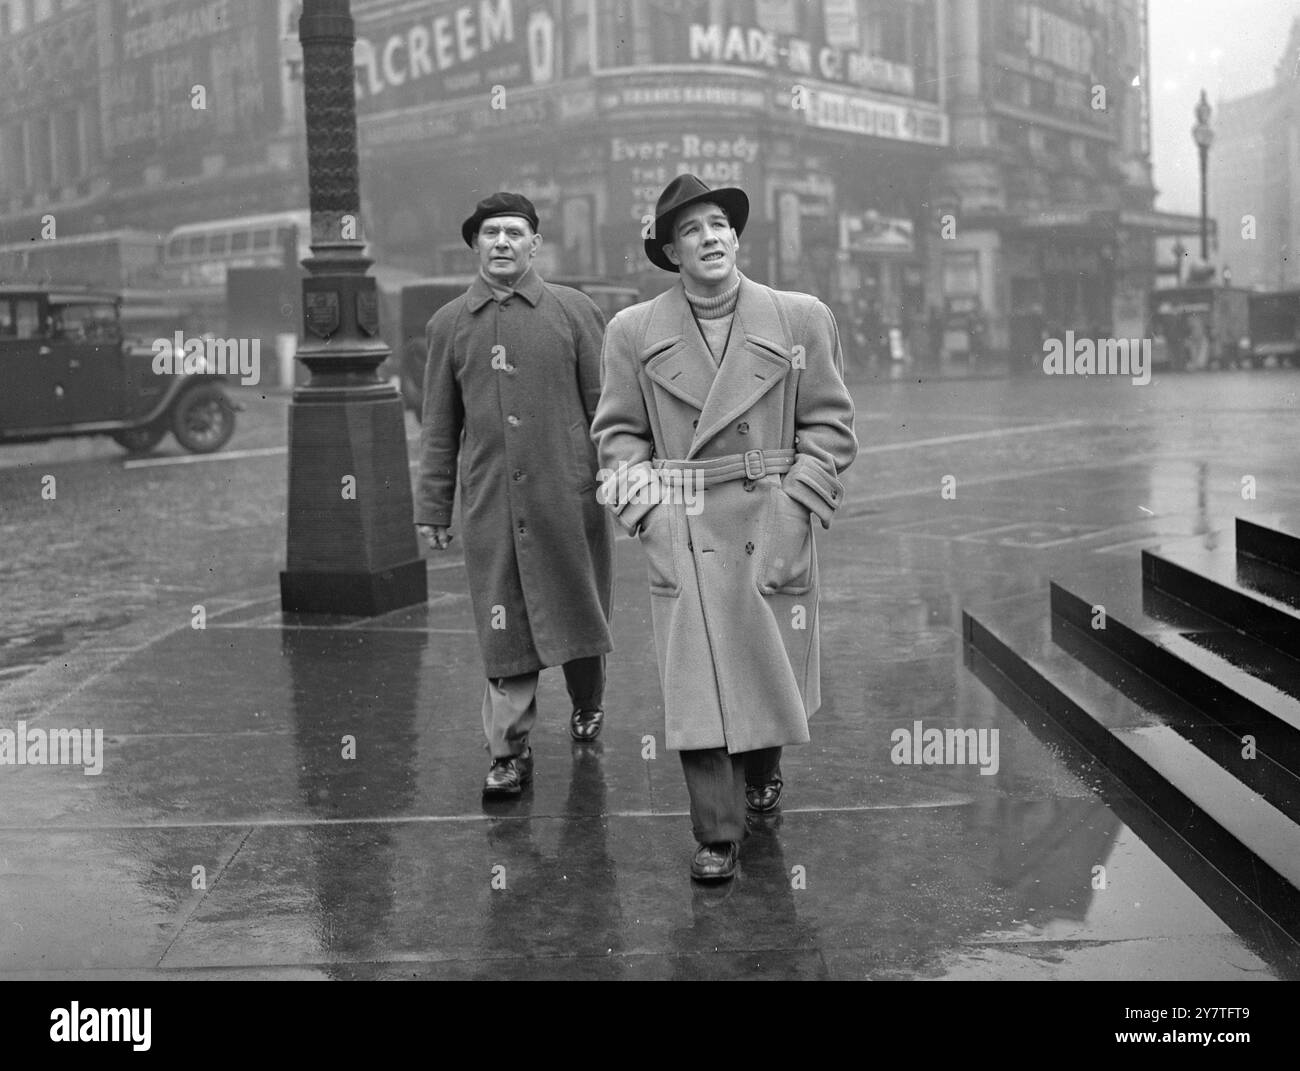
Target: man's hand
point(436, 535)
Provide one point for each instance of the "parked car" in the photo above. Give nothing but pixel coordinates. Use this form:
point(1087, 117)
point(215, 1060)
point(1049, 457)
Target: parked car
point(68, 370)
point(418, 301)
point(1200, 327)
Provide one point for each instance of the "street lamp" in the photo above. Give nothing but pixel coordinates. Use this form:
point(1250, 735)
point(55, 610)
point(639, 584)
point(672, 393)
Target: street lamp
point(1204, 137)
point(351, 535)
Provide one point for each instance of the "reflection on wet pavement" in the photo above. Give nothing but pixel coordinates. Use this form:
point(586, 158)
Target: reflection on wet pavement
point(301, 798)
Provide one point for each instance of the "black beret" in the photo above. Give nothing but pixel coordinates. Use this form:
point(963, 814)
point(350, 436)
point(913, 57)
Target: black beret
point(499, 204)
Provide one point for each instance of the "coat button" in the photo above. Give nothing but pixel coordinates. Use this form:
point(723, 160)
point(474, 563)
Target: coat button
point(695, 423)
point(748, 485)
point(523, 529)
point(743, 427)
point(518, 474)
point(512, 420)
point(749, 548)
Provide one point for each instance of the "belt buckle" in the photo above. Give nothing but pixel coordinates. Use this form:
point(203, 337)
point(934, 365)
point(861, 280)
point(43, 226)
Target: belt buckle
point(755, 466)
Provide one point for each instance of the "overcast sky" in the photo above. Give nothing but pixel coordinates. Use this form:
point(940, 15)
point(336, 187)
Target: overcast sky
point(1227, 47)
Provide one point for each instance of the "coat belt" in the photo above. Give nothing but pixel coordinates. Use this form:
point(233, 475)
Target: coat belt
point(751, 465)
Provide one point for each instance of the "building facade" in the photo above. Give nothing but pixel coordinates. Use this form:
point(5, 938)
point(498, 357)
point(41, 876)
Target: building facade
point(1051, 169)
point(1254, 180)
point(145, 114)
point(929, 167)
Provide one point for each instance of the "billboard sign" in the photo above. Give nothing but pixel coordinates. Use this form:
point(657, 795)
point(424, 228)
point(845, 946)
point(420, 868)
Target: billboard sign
point(415, 53)
point(767, 44)
point(189, 76)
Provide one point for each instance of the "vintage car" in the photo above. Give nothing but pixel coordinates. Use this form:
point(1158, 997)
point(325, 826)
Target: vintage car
point(415, 303)
point(1200, 327)
point(67, 369)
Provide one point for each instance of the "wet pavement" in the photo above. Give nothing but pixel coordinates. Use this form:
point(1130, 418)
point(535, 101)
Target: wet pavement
point(291, 798)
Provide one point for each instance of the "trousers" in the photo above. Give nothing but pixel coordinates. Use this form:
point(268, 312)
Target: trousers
point(510, 703)
point(716, 783)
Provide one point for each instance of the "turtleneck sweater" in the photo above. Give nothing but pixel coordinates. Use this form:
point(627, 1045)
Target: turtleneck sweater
point(714, 316)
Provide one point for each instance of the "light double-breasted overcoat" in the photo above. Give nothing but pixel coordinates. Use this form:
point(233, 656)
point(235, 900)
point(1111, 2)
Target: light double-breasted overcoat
point(733, 576)
point(509, 391)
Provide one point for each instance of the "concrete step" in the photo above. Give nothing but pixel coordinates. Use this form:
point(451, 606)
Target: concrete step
point(1235, 831)
point(1249, 594)
point(1271, 543)
point(1221, 694)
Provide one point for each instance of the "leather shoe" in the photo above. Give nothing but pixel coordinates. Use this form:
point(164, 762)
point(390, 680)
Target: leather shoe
point(584, 725)
point(509, 775)
point(763, 798)
point(715, 862)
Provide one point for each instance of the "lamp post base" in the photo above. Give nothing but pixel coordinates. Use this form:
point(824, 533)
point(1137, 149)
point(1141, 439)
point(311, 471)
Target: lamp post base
point(355, 594)
point(352, 546)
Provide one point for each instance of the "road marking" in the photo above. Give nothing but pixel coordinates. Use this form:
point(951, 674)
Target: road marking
point(194, 459)
point(997, 433)
point(440, 819)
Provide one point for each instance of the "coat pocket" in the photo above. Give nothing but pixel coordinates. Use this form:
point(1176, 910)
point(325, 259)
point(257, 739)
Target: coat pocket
point(658, 535)
point(584, 457)
point(787, 559)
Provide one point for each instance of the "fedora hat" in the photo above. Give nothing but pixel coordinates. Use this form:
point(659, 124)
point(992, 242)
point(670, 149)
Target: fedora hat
point(499, 204)
point(687, 190)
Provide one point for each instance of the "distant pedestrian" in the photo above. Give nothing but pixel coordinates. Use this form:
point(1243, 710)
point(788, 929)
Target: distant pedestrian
point(514, 366)
point(727, 398)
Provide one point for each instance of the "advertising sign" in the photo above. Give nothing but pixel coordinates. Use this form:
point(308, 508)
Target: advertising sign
point(640, 167)
point(52, 61)
point(870, 232)
point(412, 53)
point(827, 50)
point(860, 114)
point(184, 76)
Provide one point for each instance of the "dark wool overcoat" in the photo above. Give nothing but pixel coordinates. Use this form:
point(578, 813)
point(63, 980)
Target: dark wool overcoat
point(509, 392)
point(733, 578)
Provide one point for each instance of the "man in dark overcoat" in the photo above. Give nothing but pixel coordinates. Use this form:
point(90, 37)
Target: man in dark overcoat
point(510, 390)
point(723, 426)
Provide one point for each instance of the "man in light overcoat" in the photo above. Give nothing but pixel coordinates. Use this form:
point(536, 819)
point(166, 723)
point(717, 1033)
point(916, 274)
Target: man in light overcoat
point(723, 427)
point(514, 368)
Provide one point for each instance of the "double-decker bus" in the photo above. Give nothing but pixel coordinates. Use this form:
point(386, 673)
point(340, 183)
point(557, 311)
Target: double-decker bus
point(115, 260)
point(198, 255)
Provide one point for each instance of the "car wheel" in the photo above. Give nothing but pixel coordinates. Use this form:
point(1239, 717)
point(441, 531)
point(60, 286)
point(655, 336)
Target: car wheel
point(203, 420)
point(138, 441)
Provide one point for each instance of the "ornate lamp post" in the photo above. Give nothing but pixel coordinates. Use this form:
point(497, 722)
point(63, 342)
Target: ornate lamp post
point(351, 537)
point(1204, 137)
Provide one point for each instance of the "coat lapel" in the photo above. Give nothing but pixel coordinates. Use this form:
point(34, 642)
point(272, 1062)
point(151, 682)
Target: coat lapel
point(675, 355)
point(755, 361)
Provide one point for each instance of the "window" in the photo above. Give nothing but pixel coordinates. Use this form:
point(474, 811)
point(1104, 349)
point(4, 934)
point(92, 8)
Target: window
point(262, 239)
point(6, 320)
point(88, 322)
point(27, 319)
point(196, 246)
point(219, 244)
point(176, 248)
point(239, 242)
